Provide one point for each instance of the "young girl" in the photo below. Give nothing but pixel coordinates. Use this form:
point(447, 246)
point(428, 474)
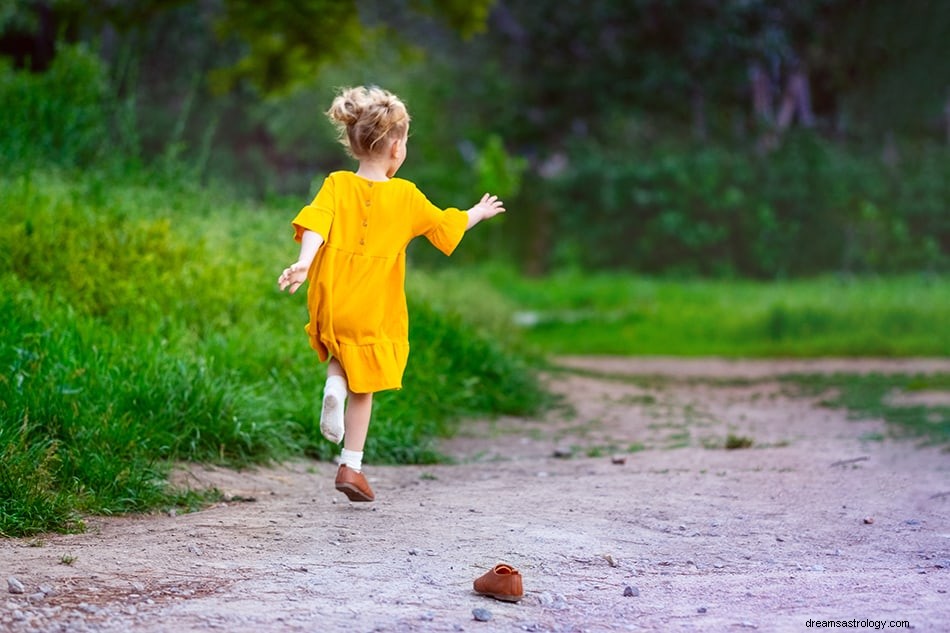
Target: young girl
point(353, 240)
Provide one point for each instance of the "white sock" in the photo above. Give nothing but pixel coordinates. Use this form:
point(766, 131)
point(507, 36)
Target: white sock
point(352, 459)
point(334, 400)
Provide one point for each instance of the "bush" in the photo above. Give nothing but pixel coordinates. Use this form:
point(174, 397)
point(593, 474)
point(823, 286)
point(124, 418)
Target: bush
point(811, 207)
point(59, 117)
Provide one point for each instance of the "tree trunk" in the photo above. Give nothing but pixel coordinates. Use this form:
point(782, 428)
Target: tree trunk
point(761, 94)
point(796, 100)
point(946, 116)
point(539, 241)
point(699, 113)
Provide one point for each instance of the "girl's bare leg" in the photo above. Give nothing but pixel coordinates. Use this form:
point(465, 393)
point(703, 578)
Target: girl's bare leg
point(334, 368)
point(357, 421)
point(358, 411)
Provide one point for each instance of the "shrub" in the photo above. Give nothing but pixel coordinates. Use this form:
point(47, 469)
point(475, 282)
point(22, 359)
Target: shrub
point(811, 207)
point(58, 117)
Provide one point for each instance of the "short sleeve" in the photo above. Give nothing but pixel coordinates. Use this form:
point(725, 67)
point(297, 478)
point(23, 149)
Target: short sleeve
point(443, 228)
point(318, 215)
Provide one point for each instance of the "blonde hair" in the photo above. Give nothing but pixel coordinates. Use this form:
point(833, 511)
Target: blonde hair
point(365, 116)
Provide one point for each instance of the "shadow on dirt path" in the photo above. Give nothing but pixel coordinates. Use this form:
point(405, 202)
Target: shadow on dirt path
point(623, 509)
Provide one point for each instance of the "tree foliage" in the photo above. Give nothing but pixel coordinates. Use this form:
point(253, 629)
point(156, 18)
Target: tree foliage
point(286, 43)
point(762, 137)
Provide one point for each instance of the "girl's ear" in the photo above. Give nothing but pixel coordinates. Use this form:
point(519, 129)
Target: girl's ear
point(394, 149)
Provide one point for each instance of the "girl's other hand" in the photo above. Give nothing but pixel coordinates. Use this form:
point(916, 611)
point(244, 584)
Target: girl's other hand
point(293, 277)
point(490, 206)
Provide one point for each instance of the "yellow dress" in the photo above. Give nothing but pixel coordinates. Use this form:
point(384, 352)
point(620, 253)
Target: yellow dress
point(357, 297)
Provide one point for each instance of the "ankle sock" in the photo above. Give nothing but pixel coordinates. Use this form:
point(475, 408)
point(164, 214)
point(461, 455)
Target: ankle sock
point(352, 459)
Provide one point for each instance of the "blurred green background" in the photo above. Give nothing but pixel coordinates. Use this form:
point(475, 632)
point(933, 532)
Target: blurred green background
point(683, 177)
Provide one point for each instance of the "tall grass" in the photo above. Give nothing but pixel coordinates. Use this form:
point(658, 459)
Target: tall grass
point(826, 316)
point(141, 324)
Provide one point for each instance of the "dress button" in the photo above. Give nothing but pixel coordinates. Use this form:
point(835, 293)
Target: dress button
point(367, 203)
point(365, 222)
point(362, 242)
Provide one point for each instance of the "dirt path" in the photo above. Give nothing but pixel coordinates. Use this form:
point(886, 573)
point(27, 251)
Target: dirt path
point(811, 522)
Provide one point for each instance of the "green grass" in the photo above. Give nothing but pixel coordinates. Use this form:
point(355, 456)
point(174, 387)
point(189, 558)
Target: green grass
point(142, 325)
point(877, 396)
point(568, 313)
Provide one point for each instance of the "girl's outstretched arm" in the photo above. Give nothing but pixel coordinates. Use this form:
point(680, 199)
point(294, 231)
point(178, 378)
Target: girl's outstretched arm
point(488, 207)
point(296, 274)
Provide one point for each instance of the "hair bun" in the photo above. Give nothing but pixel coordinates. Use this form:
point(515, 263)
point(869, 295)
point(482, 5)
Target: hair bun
point(348, 106)
point(364, 116)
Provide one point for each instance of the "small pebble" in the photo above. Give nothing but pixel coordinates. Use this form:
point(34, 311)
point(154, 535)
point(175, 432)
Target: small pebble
point(817, 568)
point(481, 615)
point(619, 460)
point(868, 520)
point(14, 585)
point(630, 592)
point(562, 452)
point(701, 610)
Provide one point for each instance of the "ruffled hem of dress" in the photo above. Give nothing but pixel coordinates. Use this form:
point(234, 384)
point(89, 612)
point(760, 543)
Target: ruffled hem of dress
point(369, 368)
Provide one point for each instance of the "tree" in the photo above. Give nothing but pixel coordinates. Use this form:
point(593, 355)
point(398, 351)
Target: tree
point(280, 44)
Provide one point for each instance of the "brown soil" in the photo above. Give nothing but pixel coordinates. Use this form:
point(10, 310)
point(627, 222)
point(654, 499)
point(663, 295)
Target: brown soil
point(819, 519)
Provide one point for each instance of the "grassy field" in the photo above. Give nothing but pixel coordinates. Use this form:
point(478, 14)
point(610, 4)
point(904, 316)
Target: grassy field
point(828, 316)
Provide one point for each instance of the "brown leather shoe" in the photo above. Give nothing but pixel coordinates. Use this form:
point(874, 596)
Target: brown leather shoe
point(353, 484)
point(503, 582)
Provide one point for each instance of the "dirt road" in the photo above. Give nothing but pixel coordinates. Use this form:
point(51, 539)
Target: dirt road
point(816, 520)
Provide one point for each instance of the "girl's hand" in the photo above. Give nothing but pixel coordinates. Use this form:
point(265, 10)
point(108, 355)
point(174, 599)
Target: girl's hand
point(488, 207)
point(293, 277)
